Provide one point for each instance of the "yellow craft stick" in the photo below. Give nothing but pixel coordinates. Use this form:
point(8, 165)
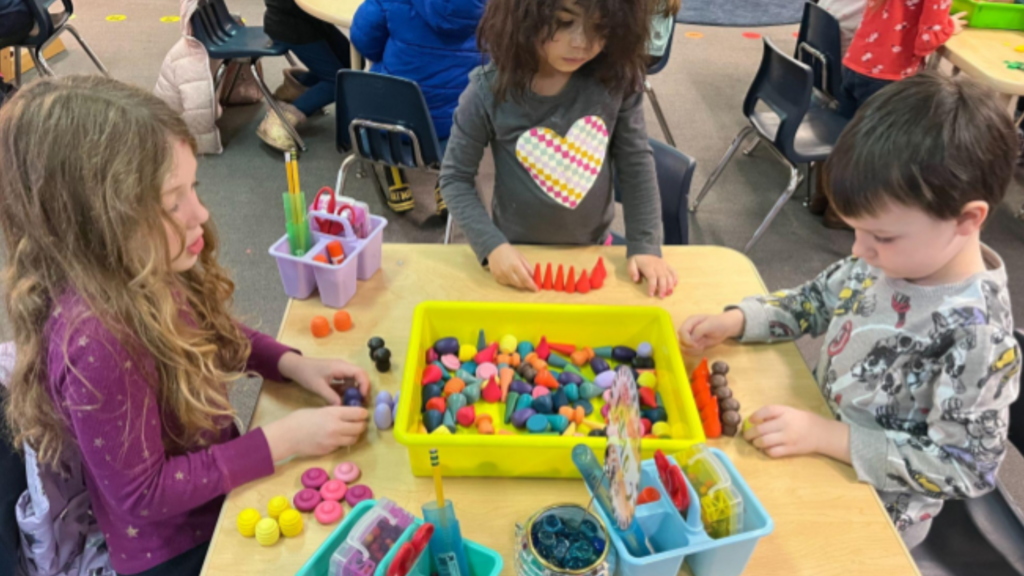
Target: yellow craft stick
point(288, 171)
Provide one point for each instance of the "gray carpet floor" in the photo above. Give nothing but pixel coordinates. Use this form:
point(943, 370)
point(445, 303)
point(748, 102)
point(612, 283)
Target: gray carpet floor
point(701, 91)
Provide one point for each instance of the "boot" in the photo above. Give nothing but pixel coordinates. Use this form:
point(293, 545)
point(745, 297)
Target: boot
point(291, 88)
point(273, 132)
point(442, 208)
point(399, 197)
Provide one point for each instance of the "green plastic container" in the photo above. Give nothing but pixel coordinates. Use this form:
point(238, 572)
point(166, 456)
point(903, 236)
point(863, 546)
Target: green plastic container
point(482, 561)
point(991, 14)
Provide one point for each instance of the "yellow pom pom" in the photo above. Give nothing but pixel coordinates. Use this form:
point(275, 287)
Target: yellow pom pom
point(508, 344)
point(291, 523)
point(277, 505)
point(267, 532)
point(247, 520)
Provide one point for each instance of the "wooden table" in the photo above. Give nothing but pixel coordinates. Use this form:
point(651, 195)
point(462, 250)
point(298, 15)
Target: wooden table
point(981, 53)
point(825, 521)
point(337, 12)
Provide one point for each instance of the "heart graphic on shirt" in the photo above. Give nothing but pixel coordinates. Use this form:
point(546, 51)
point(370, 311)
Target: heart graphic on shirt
point(565, 168)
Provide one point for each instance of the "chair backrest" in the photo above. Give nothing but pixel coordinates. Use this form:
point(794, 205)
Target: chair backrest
point(212, 24)
point(663, 61)
point(784, 85)
point(385, 119)
point(675, 174)
point(819, 45)
point(1016, 432)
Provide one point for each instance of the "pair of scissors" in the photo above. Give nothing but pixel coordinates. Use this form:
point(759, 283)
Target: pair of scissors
point(674, 482)
point(407, 555)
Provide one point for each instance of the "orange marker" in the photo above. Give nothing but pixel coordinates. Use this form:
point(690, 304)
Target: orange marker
point(320, 327)
point(320, 258)
point(342, 321)
point(336, 251)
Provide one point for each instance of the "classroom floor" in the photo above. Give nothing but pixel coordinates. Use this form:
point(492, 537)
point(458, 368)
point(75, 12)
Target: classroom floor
point(701, 91)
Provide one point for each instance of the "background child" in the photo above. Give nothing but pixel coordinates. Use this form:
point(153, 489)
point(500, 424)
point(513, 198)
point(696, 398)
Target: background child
point(892, 42)
point(849, 14)
point(919, 363)
point(662, 23)
point(119, 309)
point(568, 78)
point(322, 48)
point(15, 19)
point(431, 42)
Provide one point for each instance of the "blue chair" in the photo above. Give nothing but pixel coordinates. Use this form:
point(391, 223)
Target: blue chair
point(819, 45)
point(675, 174)
point(652, 70)
point(48, 26)
point(797, 132)
point(385, 120)
point(226, 39)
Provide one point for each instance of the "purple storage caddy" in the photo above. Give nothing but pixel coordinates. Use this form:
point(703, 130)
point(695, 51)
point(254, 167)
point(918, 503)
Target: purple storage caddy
point(337, 283)
point(297, 274)
point(369, 248)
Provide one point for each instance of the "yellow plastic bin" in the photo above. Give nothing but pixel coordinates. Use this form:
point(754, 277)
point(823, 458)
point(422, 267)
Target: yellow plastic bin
point(468, 453)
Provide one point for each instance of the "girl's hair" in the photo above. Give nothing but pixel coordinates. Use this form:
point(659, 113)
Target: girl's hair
point(83, 161)
point(669, 8)
point(511, 32)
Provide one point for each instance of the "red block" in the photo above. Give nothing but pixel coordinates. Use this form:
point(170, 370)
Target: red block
point(543, 350)
point(466, 416)
point(563, 349)
point(648, 398)
point(431, 374)
point(486, 355)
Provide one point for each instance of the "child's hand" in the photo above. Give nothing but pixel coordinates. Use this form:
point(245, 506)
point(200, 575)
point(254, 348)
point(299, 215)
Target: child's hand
point(511, 268)
point(315, 431)
point(783, 431)
point(959, 22)
point(705, 331)
point(661, 278)
point(317, 375)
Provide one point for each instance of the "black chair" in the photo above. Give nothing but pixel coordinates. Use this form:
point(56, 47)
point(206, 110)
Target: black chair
point(675, 174)
point(227, 39)
point(48, 26)
point(385, 120)
point(819, 45)
point(652, 70)
point(797, 132)
point(1016, 433)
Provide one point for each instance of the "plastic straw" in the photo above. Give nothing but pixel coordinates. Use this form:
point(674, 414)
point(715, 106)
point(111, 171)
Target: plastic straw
point(438, 486)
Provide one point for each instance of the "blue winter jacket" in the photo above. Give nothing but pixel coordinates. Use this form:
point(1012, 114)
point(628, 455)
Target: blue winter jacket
point(432, 42)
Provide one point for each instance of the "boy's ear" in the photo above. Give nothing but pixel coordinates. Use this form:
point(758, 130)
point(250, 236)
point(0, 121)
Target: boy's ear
point(972, 217)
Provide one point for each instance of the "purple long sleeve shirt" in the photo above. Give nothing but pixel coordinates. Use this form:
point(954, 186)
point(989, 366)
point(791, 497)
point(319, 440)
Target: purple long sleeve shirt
point(150, 504)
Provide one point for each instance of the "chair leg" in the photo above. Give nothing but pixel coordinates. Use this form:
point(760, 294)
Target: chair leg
point(88, 50)
point(794, 181)
point(219, 76)
point(747, 131)
point(659, 114)
point(17, 66)
point(40, 61)
point(341, 173)
point(291, 60)
point(277, 109)
point(449, 229)
point(234, 80)
point(752, 147)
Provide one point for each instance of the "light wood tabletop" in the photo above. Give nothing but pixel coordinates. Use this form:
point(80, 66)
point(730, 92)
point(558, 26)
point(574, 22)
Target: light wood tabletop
point(826, 523)
point(982, 54)
point(337, 12)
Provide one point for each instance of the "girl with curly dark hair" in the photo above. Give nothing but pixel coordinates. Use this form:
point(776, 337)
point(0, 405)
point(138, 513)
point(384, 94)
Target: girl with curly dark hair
point(559, 103)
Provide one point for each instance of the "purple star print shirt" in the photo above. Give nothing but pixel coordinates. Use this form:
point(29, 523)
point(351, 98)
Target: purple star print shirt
point(151, 504)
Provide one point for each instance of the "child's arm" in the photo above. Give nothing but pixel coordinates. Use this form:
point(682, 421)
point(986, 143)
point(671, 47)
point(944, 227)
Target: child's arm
point(641, 202)
point(956, 449)
point(471, 133)
point(369, 30)
point(936, 27)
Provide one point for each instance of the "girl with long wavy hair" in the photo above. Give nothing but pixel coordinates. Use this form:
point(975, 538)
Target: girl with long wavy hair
point(125, 343)
point(560, 102)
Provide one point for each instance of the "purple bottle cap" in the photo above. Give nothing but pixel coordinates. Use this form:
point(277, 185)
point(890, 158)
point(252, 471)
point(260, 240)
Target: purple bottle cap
point(306, 500)
point(314, 478)
point(357, 494)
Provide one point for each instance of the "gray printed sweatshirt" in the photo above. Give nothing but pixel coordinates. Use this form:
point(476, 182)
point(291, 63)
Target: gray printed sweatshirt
point(924, 376)
point(552, 158)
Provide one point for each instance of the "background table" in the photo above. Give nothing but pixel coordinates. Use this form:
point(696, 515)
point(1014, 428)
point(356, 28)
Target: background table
point(825, 521)
point(981, 53)
point(337, 12)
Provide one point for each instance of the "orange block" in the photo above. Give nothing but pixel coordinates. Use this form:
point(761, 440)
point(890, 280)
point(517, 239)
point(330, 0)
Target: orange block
point(570, 281)
point(506, 375)
point(533, 360)
point(453, 386)
point(545, 379)
point(560, 280)
point(537, 278)
point(546, 285)
point(583, 284)
point(582, 356)
point(563, 349)
point(320, 327)
point(342, 321)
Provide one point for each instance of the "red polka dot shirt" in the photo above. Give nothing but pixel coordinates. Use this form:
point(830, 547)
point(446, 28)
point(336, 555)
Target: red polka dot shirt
point(894, 39)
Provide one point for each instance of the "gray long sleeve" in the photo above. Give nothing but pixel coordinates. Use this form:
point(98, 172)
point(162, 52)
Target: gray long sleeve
point(553, 160)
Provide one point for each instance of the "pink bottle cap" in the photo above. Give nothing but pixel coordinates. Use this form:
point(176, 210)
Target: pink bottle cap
point(347, 472)
point(328, 512)
point(314, 478)
point(306, 500)
point(357, 494)
point(333, 490)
